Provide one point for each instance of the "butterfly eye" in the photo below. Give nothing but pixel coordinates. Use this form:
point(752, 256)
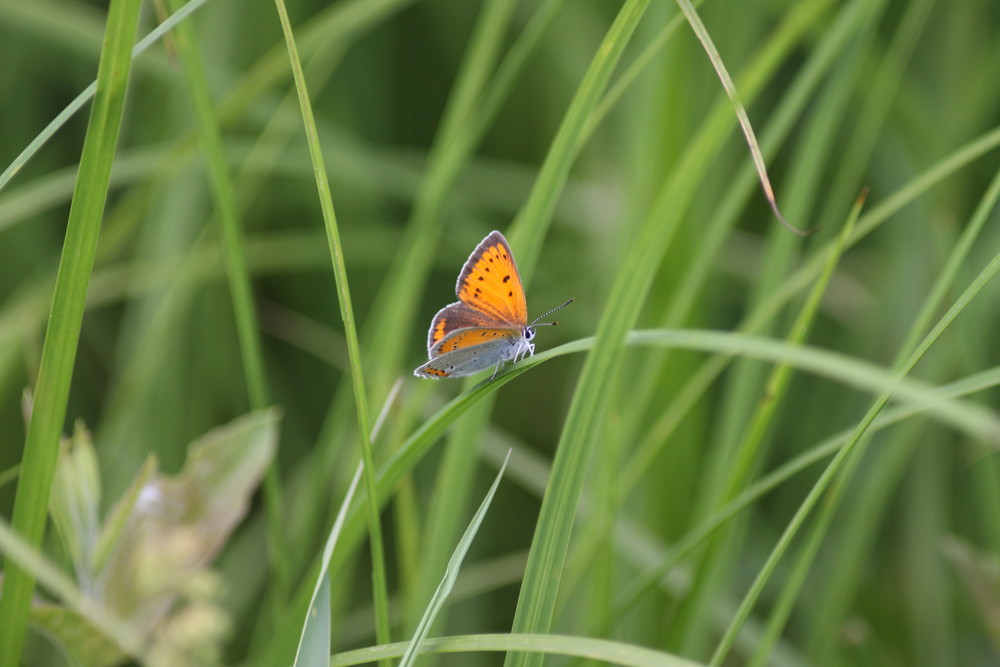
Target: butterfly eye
point(528, 333)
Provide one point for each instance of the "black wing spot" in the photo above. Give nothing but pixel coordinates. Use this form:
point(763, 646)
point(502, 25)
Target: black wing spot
point(488, 268)
point(510, 294)
point(506, 278)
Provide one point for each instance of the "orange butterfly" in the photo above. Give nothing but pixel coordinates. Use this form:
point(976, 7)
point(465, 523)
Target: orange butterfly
point(488, 325)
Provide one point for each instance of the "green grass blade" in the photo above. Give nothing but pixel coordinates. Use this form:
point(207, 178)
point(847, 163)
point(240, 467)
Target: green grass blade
point(226, 209)
point(528, 229)
point(238, 276)
point(314, 631)
point(727, 82)
point(379, 586)
point(66, 318)
point(451, 574)
point(314, 645)
point(610, 652)
point(536, 604)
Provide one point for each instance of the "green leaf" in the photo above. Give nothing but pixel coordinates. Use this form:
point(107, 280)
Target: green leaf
point(76, 500)
point(451, 573)
point(603, 650)
point(314, 645)
point(41, 447)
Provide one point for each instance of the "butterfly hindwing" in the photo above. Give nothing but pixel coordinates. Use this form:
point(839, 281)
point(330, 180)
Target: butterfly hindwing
point(490, 284)
point(467, 360)
point(451, 318)
point(471, 337)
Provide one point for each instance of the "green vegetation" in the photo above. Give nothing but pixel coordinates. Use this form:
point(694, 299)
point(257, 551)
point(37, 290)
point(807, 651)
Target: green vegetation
point(741, 446)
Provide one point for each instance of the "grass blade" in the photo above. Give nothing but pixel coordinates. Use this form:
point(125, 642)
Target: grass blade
point(316, 631)
point(379, 586)
point(610, 652)
point(758, 159)
point(66, 318)
point(451, 574)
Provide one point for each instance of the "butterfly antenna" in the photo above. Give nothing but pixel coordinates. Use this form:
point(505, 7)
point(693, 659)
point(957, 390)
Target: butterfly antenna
point(550, 324)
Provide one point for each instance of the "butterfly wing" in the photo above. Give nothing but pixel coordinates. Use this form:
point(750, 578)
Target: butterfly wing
point(474, 337)
point(451, 318)
point(490, 284)
point(469, 351)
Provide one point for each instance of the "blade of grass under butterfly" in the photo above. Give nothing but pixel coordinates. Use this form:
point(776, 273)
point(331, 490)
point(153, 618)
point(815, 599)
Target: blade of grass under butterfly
point(451, 573)
point(970, 418)
point(66, 318)
point(379, 585)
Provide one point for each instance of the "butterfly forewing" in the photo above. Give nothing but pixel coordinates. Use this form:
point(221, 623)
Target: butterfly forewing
point(489, 284)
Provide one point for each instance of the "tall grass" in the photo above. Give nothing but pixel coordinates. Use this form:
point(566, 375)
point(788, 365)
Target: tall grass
point(739, 447)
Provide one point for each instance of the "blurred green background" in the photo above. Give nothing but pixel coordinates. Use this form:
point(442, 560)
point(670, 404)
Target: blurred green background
point(437, 118)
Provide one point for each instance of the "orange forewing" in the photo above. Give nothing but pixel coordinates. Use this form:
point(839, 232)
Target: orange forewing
point(489, 283)
point(470, 337)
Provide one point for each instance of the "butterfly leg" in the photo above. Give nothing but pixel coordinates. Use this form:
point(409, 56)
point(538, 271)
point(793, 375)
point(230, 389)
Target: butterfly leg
point(496, 370)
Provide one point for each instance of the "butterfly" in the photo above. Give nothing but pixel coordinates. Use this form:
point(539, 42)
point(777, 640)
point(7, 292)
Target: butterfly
point(488, 325)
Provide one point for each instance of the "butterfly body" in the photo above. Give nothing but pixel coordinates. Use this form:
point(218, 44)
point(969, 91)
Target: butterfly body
point(488, 325)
